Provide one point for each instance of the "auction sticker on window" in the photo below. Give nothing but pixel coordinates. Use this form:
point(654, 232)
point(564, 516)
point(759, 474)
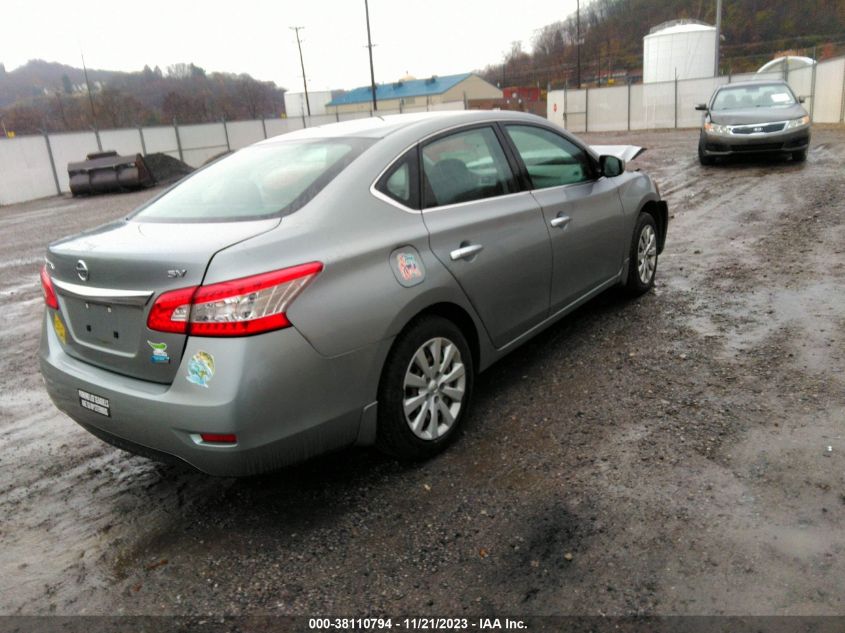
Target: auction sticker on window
point(94, 403)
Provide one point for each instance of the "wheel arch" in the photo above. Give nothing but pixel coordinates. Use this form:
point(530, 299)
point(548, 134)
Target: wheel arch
point(460, 317)
point(659, 210)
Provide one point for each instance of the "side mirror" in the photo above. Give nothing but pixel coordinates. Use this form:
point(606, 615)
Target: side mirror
point(701, 106)
point(611, 166)
point(802, 99)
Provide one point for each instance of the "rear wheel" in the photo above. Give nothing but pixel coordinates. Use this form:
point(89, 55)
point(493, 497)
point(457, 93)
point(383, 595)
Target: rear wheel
point(642, 258)
point(800, 156)
point(425, 389)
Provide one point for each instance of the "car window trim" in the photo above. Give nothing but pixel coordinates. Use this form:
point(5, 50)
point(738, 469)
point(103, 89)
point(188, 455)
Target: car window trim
point(461, 126)
point(591, 165)
point(411, 156)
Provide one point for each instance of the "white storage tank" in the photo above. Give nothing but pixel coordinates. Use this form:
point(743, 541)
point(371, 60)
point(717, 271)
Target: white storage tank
point(685, 46)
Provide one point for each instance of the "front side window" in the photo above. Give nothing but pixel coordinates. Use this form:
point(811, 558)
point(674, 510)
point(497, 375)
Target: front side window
point(465, 166)
point(550, 159)
point(758, 96)
point(256, 182)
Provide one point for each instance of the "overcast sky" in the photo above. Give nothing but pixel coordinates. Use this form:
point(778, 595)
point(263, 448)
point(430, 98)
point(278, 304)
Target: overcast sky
point(422, 37)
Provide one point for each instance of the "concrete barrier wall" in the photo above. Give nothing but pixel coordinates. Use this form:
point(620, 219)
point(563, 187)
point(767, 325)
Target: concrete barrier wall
point(28, 171)
point(25, 169)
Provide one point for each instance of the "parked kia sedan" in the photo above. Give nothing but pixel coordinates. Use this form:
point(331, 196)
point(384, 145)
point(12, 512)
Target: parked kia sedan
point(339, 285)
point(754, 117)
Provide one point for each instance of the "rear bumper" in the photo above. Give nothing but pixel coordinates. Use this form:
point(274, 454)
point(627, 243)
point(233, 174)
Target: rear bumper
point(778, 142)
point(283, 400)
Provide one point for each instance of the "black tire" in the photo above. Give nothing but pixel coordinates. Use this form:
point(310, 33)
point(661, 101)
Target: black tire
point(394, 434)
point(799, 156)
point(635, 286)
point(703, 158)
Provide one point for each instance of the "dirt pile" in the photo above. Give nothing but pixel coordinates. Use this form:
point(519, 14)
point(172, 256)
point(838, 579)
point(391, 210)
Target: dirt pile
point(166, 169)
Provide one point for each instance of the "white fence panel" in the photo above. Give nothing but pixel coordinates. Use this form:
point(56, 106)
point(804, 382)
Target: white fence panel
point(607, 109)
point(202, 142)
point(801, 82)
point(829, 77)
point(447, 105)
point(122, 141)
point(351, 116)
point(243, 133)
point(575, 108)
point(161, 139)
point(659, 105)
point(25, 165)
point(555, 105)
point(71, 148)
point(692, 92)
point(282, 126)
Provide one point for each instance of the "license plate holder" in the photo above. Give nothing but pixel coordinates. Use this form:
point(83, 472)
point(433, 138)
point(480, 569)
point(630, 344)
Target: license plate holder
point(93, 402)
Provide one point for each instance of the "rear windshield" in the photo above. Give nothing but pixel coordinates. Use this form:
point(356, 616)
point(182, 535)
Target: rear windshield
point(762, 96)
point(256, 182)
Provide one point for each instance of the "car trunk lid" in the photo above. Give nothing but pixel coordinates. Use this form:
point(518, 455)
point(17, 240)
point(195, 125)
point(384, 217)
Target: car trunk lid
point(107, 280)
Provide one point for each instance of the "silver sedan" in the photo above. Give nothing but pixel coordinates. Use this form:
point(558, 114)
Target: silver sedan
point(339, 285)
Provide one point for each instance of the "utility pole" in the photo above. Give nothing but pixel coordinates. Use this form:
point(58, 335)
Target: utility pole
point(578, 39)
point(718, 35)
point(302, 65)
point(370, 47)
point(88, 85)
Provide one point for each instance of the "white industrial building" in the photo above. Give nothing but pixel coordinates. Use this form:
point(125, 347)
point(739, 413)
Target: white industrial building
point(295, 102)
point(682, 49)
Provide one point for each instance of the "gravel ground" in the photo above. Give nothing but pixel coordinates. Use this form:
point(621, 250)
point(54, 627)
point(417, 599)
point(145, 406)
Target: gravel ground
point(679, 454)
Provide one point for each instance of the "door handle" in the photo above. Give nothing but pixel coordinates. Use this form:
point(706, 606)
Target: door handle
point(560, 221)
point(465, 252)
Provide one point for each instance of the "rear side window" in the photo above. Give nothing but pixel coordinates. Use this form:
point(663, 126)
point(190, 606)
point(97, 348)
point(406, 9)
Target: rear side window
point(550, 159)
point(401, 181)
point(465, 166)
point(256, 182)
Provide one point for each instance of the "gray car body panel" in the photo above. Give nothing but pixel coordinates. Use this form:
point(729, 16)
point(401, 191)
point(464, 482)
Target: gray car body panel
point(293, 393)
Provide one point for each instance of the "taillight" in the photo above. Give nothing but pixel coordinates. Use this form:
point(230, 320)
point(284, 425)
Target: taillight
point(47, 288)
point(170, 311)
point(239, 307)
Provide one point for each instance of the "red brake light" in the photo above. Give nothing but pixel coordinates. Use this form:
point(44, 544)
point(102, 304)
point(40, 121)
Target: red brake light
point(171, 310)
point(50, 297)
point(219, 438)
point(239, 307)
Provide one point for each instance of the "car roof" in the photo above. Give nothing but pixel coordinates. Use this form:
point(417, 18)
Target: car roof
point(758, 82)
point(381, 126)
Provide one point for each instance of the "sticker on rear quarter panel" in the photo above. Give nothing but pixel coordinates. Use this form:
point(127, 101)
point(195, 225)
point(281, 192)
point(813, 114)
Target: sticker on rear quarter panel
point(407, 266)
point(201, 369)
point(160, 354)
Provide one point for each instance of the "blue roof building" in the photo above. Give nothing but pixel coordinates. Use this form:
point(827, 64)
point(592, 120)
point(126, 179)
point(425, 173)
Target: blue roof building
point(416, 94)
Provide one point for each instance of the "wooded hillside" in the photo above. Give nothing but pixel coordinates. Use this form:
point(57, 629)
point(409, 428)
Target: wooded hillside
point(44, 95)
point(612, 34)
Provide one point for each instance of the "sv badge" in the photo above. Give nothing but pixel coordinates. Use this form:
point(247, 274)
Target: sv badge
point(176, 273)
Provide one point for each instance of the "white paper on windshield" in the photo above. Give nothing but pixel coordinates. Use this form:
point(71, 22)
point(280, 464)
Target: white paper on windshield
point(781, 97)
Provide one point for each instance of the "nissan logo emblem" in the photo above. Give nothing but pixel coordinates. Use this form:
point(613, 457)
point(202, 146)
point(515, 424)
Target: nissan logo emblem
point(82, 270)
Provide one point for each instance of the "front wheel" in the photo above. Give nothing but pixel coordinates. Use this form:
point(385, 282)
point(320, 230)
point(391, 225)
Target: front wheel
point(425, 389)
point(642, 257)
point(703, 158)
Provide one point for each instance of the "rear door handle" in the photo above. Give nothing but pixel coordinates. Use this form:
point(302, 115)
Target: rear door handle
point(465, 252)
point(560, 221)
